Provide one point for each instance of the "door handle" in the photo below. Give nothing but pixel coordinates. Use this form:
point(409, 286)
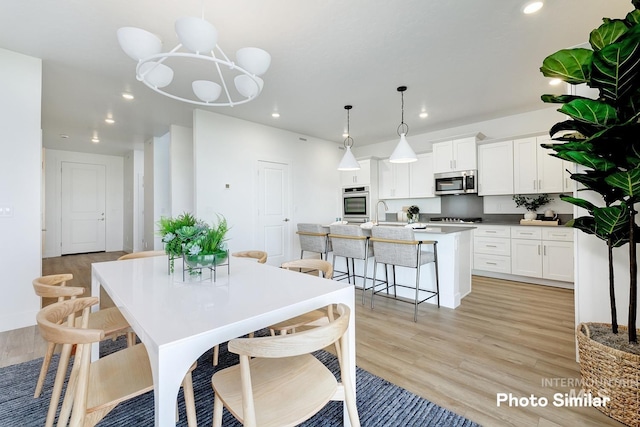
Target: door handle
point(286, 220)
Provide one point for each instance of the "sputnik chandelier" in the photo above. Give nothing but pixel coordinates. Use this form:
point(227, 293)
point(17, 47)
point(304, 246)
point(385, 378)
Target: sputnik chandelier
point(198, 40)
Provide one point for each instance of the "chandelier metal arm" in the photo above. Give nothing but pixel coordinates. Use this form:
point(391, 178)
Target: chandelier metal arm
point(164, 56)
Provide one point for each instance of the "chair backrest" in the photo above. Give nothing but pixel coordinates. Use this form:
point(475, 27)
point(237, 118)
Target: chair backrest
point(294, 344)
point(142, 254)
point(54, 286)
point(50, 322)
point(348, 241)
point(313, 238)
point(395, 245)
point(261, 256)
point(313, 264)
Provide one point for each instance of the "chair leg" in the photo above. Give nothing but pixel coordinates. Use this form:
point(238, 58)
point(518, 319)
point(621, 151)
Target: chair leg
point(217, 411)
point(216, 355)
point(373, 285)
point(44, 368)
point(189, 400)
point(364, 279)
point(131, 339)
point(435, 263)
point(61, 374)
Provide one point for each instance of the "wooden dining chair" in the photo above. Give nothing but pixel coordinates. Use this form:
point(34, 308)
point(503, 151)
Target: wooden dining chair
point(308, 265)
point(261, 256)
point(110, 320)
point(280, 383)
point(95, 388)
point(142, 254)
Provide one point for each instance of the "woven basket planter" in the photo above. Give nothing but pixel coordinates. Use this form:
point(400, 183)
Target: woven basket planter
point(606, 371)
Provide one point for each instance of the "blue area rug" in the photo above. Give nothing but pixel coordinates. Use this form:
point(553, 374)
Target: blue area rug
point(380, 403)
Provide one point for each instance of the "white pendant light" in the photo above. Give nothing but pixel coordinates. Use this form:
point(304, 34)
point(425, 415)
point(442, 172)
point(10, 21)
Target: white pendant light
point(348, 162)
point(403, 152)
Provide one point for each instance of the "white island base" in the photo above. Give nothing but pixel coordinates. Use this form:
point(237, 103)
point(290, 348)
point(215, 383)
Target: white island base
point(454, 267)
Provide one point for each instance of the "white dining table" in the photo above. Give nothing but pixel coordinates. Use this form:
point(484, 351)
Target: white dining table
point(178, 320)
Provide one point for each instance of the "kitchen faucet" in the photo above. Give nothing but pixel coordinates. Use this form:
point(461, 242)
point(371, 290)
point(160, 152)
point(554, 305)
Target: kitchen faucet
point(386, 208)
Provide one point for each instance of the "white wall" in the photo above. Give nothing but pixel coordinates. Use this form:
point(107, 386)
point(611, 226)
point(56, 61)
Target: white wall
point(157, 190)
point(182, 173)
point(114, 167)
point(20, 187)
point(133, 193)
point(226, 151)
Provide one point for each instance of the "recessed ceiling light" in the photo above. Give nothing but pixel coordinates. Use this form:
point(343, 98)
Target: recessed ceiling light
point(275, 115)
point(109, 120)
point(64, 136)
point(127, 95)
point(95, 140)
point(532, 7)
point(424, 115)
point(555, 82)
point(344, 135)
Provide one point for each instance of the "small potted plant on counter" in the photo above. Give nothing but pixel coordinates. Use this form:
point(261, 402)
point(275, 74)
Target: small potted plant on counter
point(413, 214)
point(531, 204)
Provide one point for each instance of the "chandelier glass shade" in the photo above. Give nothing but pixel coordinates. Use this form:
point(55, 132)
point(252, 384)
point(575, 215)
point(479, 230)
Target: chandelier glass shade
point(198, 40)
point(403, 152)
point(348, 162)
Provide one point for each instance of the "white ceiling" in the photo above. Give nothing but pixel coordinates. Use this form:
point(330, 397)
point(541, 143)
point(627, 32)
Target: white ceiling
point(463, 61)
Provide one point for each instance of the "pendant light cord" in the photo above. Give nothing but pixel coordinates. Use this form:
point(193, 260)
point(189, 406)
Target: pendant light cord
point(402, 125)
point(348, 141)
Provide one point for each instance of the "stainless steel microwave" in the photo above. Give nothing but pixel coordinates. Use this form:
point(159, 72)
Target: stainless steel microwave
point(459, 182)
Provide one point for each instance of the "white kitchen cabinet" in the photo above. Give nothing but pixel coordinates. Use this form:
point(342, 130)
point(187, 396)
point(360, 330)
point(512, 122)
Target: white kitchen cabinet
point(495, 168)
point(492, 248)
point(455, 155)
point(358, 177)
point(534, 170)
point(421, 176)
point(568, 185)
point(393, 180)
point(542, 253)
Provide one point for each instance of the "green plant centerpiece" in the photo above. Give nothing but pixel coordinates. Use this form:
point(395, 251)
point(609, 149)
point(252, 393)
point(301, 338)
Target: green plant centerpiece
point(602, 136)
point(413, 213)
point(531, 203)
point(199, 243)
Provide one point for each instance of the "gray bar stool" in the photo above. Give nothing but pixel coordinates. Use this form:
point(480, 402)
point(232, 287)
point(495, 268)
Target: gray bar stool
point(314, 238)
point(350, 242)
point(397, 246)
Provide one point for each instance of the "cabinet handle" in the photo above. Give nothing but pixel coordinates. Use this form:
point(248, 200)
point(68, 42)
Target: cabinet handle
point(454, 164)
point(490, 231)
point(539, 184)
point(528, 234)
point(492, 263)
point(534, 184)
point(450, 164)
point(544, 250)
point(538, 249)
point(491, 246)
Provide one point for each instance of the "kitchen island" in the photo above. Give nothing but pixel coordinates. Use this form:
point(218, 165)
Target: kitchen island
point(454, 265)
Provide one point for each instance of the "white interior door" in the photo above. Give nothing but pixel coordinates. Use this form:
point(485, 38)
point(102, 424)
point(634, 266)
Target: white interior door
point(83, 193)
point(274, 225)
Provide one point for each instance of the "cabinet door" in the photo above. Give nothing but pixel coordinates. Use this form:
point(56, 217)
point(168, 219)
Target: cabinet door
point(557, 260)
point(525, 175)
point(443, 157)
point(385, 179)
point(550, 169)
point(568, 184)
point(526, 257)
point(464, 154)
point(495, 168)
point(363, 176)
point(393, 180)
point(421, 176)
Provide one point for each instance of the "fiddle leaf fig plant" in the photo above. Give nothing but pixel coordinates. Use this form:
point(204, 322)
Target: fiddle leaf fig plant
point(602, 135)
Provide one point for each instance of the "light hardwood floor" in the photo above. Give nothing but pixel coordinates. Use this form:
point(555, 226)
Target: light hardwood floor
point(505, 337)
